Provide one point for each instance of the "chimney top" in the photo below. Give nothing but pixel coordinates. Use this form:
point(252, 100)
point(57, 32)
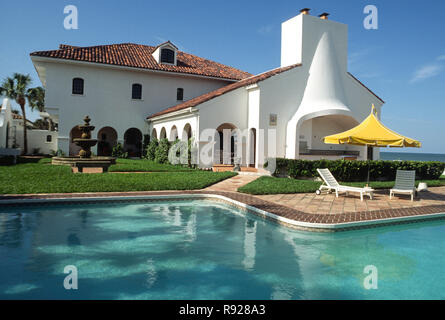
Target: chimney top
point(324, 16)
point(305, 11)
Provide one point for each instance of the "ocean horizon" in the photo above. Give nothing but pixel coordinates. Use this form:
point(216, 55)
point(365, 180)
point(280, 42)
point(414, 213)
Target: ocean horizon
point(412, 156)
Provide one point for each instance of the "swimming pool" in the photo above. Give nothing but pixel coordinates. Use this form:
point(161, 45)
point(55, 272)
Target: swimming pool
point(201, 249)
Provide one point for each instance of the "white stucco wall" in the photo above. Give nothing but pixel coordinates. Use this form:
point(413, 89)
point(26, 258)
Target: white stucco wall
point(37, 140)
point(107, 95)
point(5, 119)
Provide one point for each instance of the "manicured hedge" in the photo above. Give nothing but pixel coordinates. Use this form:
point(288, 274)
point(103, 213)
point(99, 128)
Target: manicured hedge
point(345, 170)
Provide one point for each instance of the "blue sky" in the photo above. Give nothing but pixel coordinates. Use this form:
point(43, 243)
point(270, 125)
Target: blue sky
point(403, 61)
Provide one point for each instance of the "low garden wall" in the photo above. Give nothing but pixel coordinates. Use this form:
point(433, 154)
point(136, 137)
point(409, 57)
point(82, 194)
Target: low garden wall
point(349, 171)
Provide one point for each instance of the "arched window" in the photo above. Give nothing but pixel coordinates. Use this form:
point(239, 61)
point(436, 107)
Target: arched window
point(49, 138)
point(136, 91)
point(77, 86)
point(167, 56)
point(180, 94)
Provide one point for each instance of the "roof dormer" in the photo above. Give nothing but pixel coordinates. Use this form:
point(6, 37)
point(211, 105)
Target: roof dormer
point(165, 53)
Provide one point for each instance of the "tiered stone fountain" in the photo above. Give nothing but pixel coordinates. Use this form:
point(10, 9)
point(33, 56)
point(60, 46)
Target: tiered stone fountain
point(84, 159)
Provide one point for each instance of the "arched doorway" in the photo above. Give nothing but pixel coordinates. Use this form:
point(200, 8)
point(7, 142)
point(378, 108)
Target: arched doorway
point(310, 133)
point(154, 134)
point(187, 132)
point(133, 142)
point(107, 139)
point(74, 149)
point(225, 144)
point(173, 133)
point(163, 134)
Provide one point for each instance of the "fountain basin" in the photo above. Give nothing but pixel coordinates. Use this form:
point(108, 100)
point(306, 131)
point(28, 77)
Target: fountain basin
point(81, 163)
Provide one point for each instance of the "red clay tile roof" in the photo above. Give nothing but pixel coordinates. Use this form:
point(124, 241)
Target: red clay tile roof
point(140, 56)
point(218, 92)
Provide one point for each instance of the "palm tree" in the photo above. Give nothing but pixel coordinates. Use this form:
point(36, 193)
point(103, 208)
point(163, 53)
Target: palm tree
point(17, 88)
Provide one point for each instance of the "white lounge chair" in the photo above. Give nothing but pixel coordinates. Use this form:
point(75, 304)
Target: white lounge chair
point(330, 183)
point(405, 183)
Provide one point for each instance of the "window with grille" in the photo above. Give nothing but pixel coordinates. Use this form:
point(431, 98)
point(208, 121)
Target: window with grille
point(180, 94)
point(78, 86)
point(167, 56)
point(136, 91)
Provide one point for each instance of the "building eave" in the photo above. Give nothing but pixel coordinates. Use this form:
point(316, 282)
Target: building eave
point(172, 115)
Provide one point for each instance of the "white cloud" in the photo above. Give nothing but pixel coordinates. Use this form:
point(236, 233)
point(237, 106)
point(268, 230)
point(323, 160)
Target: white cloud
point(441, 58)
point(265, 30)
point(426, 72)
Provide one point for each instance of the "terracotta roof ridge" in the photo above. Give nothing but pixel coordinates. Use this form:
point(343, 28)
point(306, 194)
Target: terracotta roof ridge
point(140, 56)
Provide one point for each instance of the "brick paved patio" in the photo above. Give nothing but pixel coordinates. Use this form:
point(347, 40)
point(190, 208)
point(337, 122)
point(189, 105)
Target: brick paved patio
point(329, 204)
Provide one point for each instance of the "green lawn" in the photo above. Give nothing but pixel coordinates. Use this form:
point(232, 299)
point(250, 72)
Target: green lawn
point(272, 185)
point(129, 165)
point(43, 177)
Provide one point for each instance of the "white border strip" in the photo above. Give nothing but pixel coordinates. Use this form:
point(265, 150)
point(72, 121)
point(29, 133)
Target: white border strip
point(301, 224)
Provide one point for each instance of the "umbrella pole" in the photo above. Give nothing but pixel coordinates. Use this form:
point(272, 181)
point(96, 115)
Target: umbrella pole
point(367, 181)
point(367, 156)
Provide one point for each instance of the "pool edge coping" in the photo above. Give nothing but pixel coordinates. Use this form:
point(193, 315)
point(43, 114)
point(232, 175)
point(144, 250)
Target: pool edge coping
point(282, 220)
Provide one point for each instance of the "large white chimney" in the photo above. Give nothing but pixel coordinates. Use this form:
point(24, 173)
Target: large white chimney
point(301, 35)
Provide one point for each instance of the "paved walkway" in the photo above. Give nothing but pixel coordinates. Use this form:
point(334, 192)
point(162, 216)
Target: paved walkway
point(232, 184)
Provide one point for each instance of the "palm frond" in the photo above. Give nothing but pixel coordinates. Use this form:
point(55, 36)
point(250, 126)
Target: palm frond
point(36, 98)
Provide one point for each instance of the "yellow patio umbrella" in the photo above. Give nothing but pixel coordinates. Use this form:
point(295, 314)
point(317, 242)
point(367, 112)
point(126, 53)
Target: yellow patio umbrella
point(372, 133)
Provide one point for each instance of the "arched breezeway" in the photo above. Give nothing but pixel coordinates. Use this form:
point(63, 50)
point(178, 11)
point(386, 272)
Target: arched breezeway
point(163, 133)
point(107, 139)
point(133, 142)
point(173, 134)
point(187, 132)
point(154, 134)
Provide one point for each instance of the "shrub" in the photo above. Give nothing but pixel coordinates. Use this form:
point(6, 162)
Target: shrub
point(145, 143)
point(161, 154)
point(118, 151)
point(58, 153)
point(150, 151)
point(345, 170)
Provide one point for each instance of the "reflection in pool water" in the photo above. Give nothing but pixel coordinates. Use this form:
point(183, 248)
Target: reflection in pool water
point(207, 250)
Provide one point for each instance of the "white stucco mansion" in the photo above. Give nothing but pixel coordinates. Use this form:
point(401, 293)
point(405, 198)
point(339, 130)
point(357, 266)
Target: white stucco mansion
point(132, 90)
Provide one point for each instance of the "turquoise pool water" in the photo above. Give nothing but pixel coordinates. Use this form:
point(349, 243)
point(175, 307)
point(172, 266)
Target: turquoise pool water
point(207, 250)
